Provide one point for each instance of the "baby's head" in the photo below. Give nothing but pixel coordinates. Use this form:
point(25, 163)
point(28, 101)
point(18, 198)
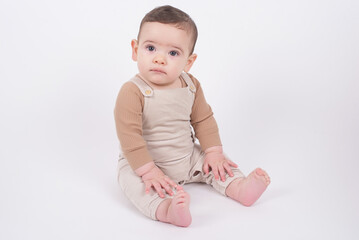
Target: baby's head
point(164, 46)
point(172, 16)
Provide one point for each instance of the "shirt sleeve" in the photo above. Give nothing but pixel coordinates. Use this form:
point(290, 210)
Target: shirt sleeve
point(128, 118)
point(203, 121)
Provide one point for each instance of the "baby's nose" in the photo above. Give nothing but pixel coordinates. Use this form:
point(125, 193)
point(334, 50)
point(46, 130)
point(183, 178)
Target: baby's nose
point(159, 59)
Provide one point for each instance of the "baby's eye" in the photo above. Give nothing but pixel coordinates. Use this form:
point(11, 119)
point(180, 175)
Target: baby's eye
point(174, 53)
point(150, 48)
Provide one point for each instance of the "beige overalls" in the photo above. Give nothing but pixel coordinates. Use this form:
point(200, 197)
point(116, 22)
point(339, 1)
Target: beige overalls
point(168, 134)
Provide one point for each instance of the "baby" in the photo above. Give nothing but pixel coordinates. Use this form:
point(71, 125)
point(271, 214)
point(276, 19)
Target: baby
point(155, 112)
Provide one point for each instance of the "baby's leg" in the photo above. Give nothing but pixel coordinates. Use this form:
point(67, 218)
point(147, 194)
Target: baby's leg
point(248, 190)
point(175, 210)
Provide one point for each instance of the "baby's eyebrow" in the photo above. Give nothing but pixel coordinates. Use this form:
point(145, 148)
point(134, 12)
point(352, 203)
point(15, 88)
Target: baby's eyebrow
point(149, 41)
point(180, 49)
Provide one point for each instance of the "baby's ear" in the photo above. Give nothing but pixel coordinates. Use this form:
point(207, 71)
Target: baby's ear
point(190, 62)
point(134, 45)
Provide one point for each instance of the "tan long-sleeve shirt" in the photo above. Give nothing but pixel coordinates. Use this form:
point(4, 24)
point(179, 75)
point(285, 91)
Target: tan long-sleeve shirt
point(128, 118)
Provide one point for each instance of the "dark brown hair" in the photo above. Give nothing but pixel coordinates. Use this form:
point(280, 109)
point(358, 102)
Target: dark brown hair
point(173, 16)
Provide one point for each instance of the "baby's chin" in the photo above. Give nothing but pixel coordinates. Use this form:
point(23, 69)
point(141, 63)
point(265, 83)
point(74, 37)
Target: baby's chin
point(162, 82)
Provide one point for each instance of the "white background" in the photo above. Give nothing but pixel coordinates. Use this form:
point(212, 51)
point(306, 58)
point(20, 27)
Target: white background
point(281, 76)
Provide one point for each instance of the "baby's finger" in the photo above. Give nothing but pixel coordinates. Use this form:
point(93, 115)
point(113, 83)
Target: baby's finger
point(173, 183)
point(231, 163)
point(158, 189)
point(170, 181)
point(205, 168)
point(215, 172)
point(228, 169)
point(147, 186)
point(222, 173)
point(167, 188)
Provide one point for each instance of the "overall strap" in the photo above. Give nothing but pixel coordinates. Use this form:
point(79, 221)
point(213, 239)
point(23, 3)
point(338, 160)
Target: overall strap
point(145, 89)
point(189, 82)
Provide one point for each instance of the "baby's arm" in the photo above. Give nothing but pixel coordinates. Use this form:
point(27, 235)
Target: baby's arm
point(206, 130)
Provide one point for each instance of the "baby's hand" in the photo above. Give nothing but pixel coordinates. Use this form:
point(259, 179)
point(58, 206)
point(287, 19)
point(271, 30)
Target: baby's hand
point(218, 163)
point(158, 180)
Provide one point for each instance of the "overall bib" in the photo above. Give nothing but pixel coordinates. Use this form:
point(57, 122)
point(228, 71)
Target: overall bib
point(168, 134)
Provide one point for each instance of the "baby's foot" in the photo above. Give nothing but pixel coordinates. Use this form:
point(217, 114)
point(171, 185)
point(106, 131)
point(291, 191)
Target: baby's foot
point(248, 190)
point(178, 211)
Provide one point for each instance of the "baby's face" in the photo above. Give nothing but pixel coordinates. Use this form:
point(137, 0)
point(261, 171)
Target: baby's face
point(162, 53)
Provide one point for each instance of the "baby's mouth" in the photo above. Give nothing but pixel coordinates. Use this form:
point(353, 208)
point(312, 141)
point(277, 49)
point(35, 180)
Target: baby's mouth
point(156, 70)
